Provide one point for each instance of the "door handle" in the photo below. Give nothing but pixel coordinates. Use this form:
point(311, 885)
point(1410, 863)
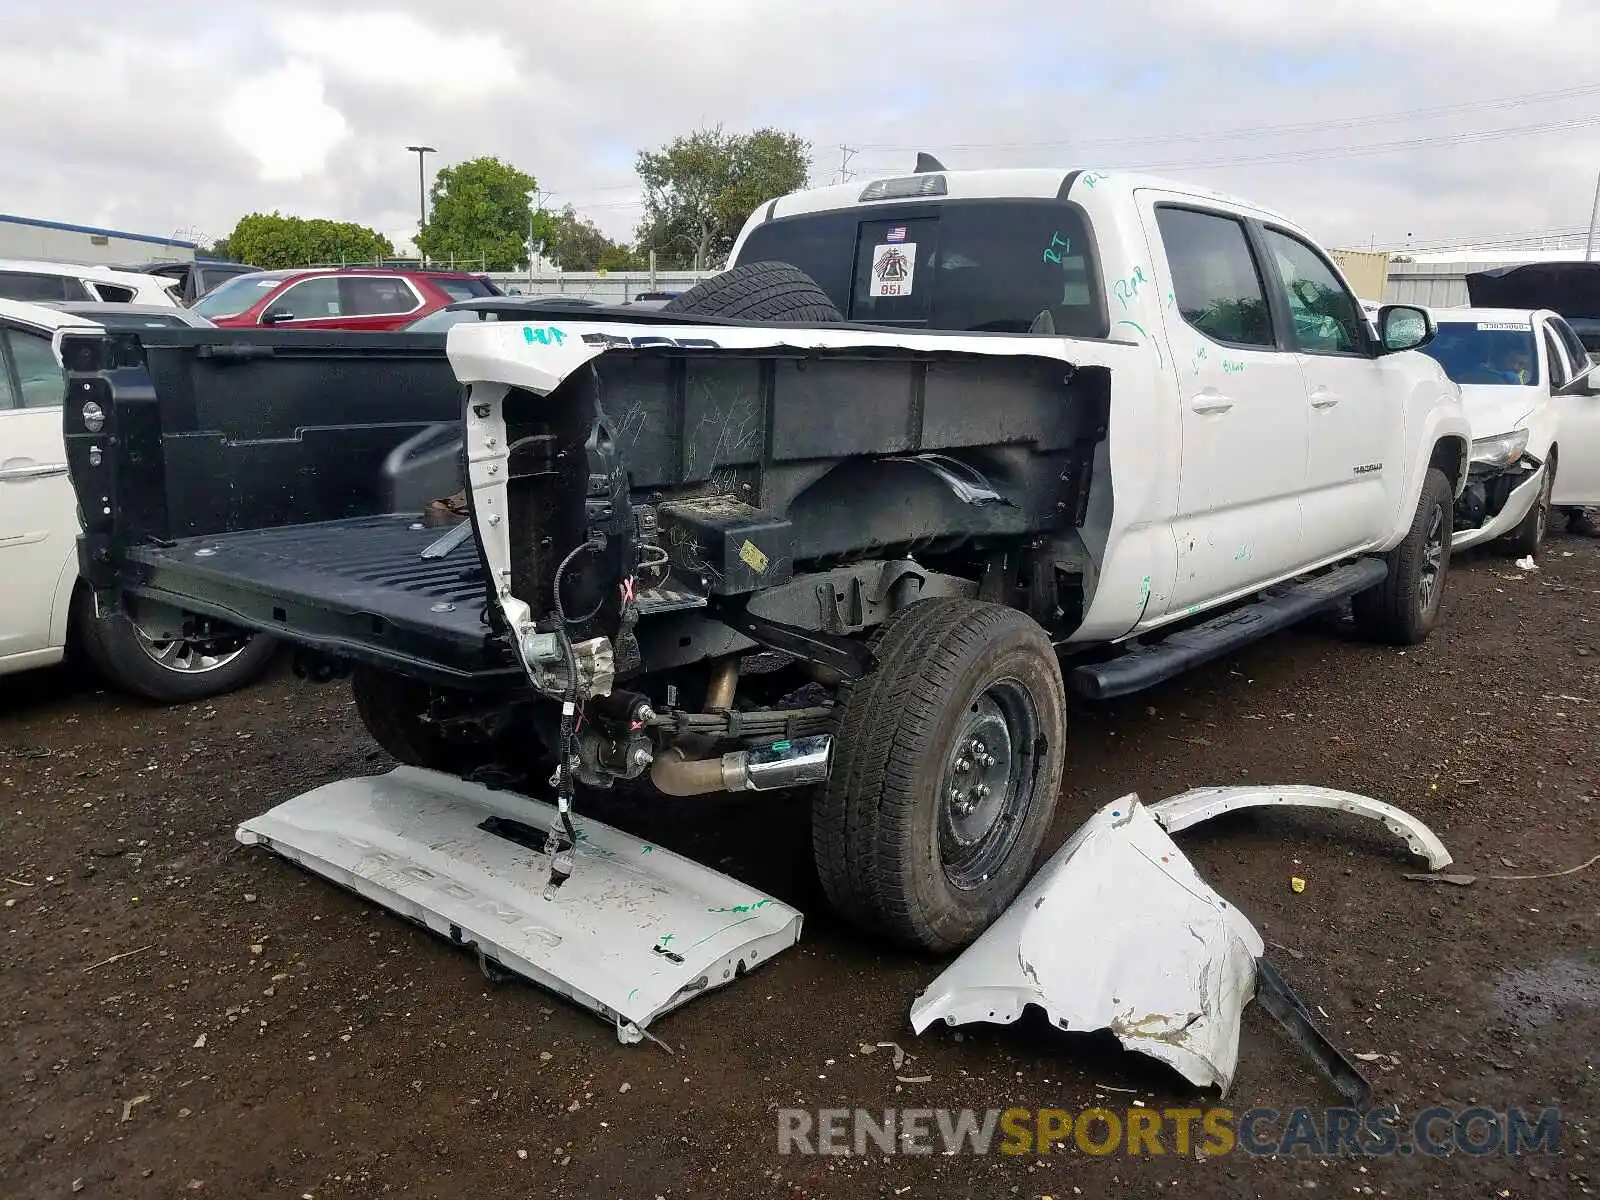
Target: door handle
point(1323, 398)
point(34, 471)
point(1210, 404)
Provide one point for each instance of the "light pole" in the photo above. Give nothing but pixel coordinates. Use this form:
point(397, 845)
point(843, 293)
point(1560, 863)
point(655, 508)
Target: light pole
point(422, 191)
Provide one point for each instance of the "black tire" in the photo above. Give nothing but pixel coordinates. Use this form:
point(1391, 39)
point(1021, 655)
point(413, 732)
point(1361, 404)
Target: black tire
point(1528, 537)
point(392, 708)
point(762, 291)
point(132, 663)
point(884, 825)
point(1404, 608)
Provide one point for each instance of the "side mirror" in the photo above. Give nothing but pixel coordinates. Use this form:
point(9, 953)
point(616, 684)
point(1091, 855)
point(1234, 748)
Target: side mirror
point(1404, 327)
point(274, 315)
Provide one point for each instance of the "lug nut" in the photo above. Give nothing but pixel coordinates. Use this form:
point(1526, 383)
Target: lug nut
point(962, 766)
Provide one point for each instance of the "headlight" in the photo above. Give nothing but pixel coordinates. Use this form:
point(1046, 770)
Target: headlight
point(1500, 451)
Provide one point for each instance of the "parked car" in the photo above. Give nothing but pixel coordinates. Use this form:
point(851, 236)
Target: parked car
point(24, 279)
point(1569, 288)
point(195, 277)
point(152, 651)
point(1528, 387)
point(361, 298)
point(1130, 421)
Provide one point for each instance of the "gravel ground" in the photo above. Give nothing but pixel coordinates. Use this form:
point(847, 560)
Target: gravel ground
point(268, 1035)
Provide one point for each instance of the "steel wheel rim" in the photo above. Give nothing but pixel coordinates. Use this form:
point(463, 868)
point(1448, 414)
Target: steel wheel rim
point(1542, 506)
point(995, 748)
point(1432, 563)
point(189, 656)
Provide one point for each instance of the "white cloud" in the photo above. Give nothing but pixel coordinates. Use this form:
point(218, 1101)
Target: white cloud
point(191, 114)
point(395, 50)
point(283, 119)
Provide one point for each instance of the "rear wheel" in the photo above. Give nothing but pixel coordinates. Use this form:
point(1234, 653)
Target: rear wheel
point(1404, 608)
point(946, 773)
point(762, 291)
point(170, 670)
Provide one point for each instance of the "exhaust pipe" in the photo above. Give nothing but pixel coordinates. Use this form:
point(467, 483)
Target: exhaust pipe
point(762, 769)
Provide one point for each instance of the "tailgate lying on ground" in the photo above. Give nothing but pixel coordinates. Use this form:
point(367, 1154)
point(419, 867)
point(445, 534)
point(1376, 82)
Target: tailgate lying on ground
point(634, 932)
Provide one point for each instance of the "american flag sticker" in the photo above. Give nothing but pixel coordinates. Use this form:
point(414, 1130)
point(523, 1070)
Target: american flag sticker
point(897, 234)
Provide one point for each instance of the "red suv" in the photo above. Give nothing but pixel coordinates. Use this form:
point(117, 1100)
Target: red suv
point(369, 298)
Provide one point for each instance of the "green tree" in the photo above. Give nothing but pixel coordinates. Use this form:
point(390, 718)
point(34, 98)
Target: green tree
point(479, 211)
point(578, 245)
point(700, 188)
point(272, 240)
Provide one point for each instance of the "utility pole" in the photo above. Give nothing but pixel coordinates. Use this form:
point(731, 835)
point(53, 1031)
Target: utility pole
point(422, 193)
point(846, 153)
point(1594, 208)
point(535, 200)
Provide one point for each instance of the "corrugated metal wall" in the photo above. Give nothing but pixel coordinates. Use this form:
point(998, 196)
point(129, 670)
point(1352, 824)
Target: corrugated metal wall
point(21, 240)
point(1436, 284)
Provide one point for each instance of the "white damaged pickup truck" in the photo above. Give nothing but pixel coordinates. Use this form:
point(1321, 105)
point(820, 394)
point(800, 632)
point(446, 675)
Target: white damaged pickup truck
point(853, 514)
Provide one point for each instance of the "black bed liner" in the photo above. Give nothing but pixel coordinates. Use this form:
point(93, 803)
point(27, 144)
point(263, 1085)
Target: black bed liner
point(356, 586)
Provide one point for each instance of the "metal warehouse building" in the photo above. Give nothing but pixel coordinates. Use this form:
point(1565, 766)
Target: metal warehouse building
point(54, 241)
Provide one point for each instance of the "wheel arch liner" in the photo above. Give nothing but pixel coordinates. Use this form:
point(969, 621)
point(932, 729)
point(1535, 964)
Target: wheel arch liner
point(636, 931)
point(1201, 804)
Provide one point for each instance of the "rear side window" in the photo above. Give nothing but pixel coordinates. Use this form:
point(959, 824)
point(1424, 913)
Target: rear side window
point(369, 296)
point(987, 266)
point(1215, 277)
point(29, 285)
point(113, 293)
point(463, 289)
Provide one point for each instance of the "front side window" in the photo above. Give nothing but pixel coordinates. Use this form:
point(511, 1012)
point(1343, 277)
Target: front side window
point(1577, 352)
point(1327, 318)
point(1486, 353)
point(309, 300)
point(1558, 366)
point(40, 381)
point(1215, 279)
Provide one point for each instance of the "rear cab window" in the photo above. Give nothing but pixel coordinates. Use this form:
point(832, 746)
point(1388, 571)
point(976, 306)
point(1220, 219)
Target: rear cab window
point(965, 266)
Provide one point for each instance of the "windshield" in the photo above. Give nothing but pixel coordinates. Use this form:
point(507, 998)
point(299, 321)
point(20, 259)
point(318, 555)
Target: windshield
point(232, 298)
point(979, 266)
point(1486, 352)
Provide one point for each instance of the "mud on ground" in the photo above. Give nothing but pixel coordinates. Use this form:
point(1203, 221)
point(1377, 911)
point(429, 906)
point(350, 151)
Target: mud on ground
point(268, 1035)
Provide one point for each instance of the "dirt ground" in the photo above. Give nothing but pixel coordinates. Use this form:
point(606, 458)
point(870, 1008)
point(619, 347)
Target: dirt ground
point(269, 1035)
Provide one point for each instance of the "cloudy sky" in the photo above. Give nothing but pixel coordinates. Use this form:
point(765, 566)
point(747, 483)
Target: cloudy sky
point(1416, 122)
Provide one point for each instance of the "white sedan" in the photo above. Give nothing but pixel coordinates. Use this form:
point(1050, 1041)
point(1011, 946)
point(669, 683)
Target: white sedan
point(1530, 393)
point(43, 610)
